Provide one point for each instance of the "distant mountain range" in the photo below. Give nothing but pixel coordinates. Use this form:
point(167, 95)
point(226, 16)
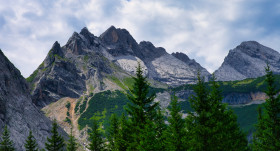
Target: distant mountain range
point(90, 72)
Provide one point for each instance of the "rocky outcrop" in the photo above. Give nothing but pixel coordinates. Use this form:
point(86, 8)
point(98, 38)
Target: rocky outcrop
point(119, 42)
point(244, 98)
point(17, 110)
point(248, 60)
point(192, 64)
point(233, 98)
point(56, 77)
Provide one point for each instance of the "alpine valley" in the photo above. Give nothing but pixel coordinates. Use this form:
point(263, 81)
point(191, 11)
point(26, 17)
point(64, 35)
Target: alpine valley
point(86, 79)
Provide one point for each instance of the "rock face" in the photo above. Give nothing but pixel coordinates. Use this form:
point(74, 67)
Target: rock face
point(159, 65)
point(17, 110)
point(71, 70)
point(192, 64)
point(248, 60)
point(244, 98)
point(86, 63)
point(233, 98)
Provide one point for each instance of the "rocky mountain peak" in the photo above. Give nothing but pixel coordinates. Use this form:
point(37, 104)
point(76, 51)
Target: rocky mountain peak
point(181, 56)
point(110, 35)
point(147, 44)
point(90, 39)
point(55, 51)
point(149, 52)
point(76, 43)
point(119, 42)
point(85, 31)
point(75, 37)
point(116, 35)
point(247, 43)
point(248, 60)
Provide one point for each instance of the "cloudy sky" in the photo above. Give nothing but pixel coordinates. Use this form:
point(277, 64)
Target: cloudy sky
point(203, 29)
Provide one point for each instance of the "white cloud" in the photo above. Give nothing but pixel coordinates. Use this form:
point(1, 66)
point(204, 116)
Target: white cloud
point(203, 29)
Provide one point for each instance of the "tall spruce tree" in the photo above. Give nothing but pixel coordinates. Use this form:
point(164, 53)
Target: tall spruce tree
point(124, 134)
point(141, 108)
point(212, 127)
point(56, 142)
point(160, 128)
point(267, 135)
point(113, 136)
point(31, 144)
point(258, 135)
point(6, 144)
point(148, 138)
point(197, 123)
point(95, 138)
point(175, 132)
point(226, 133)
point(72, 145)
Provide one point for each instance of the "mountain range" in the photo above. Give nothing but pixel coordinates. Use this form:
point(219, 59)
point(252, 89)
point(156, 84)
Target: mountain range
point(90, 70)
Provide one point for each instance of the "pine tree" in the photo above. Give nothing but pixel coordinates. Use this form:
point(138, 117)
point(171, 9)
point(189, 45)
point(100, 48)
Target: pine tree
point(113, 133)
point(160, 128)
point(95, 138)
point(226, 133)
point(124, 134)
point(56, 142)
point(212, 126)
point(198, 132)
point(31, 144)
point(141, 107)
point(267, 135)
point(148, 138)
point(141, 104)
point(258, 135)
point(175, 132)
point(72, 144)
point(6, 144)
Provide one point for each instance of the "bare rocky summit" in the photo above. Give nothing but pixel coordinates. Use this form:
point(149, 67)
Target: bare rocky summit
point(248, 60)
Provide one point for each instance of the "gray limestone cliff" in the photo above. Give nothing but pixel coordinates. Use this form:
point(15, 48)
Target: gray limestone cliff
point(192, 64)
point(17, 110)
